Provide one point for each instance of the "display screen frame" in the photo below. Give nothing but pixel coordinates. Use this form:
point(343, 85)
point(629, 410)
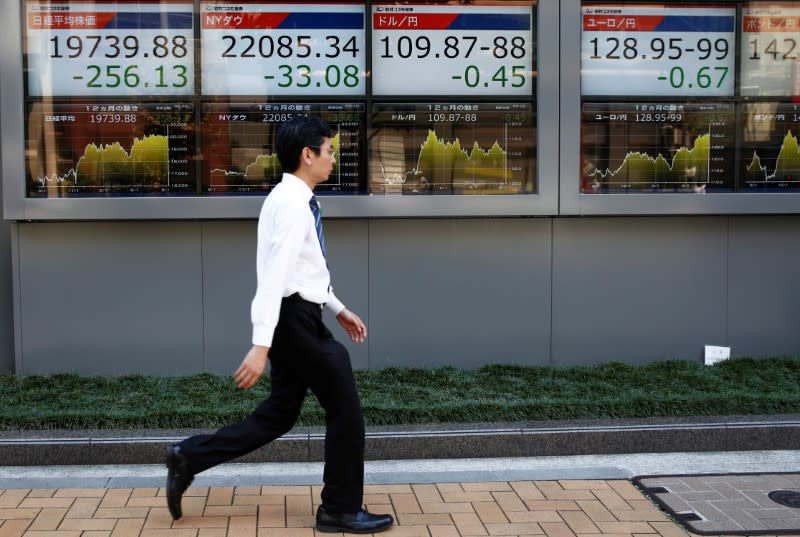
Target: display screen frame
point(18, 206)
point(272, 50)
point(109, 52)
point(574, 201)
point(666, 50)
point(480, 49)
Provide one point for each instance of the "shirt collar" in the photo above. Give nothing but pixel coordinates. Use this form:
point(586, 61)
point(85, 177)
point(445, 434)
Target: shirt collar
point(297, 184)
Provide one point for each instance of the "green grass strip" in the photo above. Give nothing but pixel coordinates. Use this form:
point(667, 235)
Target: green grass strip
point(397, 396)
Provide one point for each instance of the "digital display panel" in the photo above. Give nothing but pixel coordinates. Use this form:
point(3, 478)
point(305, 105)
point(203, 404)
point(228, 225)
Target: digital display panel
point(658, 50)
point(282, 49)
point(770, 50)
point(464, 148)
point(770, 152)
point(95, 149)
point(657, 147)
point(465, 49)
point(118, 49)
point(238, 145)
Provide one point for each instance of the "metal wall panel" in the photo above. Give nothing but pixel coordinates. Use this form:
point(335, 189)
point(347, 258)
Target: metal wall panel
point(229, 282)
point(459, 292)
point(638, 289)
point(111, 298)
point(764, 297)
point(347, 244)
point(6, 295)
point(6, 303)
point(172, 298)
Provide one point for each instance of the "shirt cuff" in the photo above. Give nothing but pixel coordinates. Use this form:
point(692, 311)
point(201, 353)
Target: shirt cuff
point(334, 305)
point(262, 335)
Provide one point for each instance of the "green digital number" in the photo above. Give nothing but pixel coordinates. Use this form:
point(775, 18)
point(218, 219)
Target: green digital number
point(113, 78)
point(300, 77)
point(703, 78)
point(287, 75)
point(304, 71)
point(180, 72)
point(504, 76)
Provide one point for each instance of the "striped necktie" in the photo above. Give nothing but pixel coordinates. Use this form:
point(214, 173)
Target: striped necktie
point(318, 223)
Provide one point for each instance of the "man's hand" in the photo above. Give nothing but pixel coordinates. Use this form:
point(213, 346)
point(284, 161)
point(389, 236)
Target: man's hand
point(252, 367)
point(353, 325)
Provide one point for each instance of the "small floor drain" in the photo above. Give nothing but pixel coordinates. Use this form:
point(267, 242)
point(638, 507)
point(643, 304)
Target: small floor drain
point(789, 498)
point(688, 517)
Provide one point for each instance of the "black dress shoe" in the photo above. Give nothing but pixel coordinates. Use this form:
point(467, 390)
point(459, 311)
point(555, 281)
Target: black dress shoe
point(178, 479)
point(360, 522)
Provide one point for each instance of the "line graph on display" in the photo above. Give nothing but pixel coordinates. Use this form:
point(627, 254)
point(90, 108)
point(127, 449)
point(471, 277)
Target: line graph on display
point(420, 160)
point(238, 145)
point(786, 168)
point(99, 149)
point(111, 165)
point(441, 161)
point(446, 148)
point(659, 147)
point(266, 167)
point(687, 165)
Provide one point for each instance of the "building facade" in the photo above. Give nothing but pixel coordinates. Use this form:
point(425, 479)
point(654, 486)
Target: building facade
point(538, 183)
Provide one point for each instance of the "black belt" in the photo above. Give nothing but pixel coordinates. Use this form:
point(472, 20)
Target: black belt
point(295, 297)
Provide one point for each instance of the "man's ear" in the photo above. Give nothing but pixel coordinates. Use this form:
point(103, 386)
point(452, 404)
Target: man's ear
point(305, 155)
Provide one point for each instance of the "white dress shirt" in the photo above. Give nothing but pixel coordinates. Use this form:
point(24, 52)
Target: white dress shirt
point(288, 258)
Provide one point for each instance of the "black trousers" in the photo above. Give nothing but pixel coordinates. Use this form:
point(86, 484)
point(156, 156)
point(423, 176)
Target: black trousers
point(304, 356)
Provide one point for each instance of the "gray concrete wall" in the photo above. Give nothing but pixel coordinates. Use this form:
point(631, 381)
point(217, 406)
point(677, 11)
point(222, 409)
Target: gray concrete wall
point(6, 299)
point(638, 289)
point(459, 292)
point(111, 298)
point(6, 294)
point(763, 291)
point(173, 298)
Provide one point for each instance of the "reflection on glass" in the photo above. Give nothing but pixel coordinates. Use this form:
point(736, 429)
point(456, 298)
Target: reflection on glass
point(770, 49)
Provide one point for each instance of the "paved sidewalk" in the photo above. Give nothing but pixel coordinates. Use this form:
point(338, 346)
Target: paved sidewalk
point(720, 503)
point(553, 508)
point(574, 496)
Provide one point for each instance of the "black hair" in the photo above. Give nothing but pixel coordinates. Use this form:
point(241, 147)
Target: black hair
point(298, 132)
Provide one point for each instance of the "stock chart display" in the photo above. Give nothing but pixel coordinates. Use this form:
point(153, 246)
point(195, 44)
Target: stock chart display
point(164, 97)
point(95, 149)
point(168, 97)
point(688, 97)
point(449, 148)
point(770, 153)
point(657, 147)
point(238, 145)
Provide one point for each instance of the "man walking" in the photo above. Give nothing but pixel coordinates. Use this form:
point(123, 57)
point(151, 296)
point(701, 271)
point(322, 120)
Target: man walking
point(293, 289)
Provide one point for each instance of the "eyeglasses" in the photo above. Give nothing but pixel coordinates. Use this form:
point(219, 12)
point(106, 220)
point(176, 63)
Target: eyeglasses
point(328, 150)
